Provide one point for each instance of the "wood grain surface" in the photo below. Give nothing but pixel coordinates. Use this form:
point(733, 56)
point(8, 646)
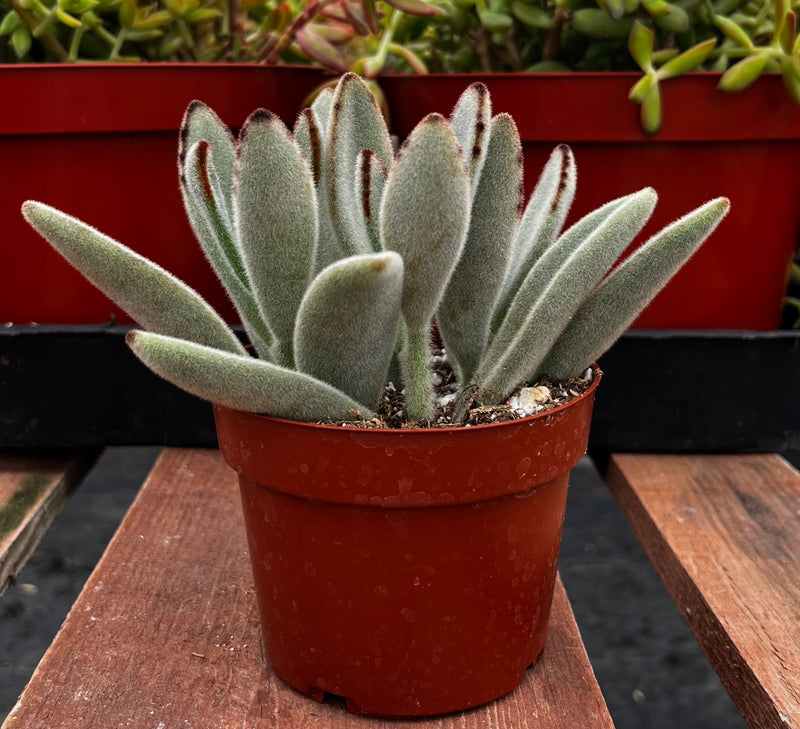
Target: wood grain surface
point(165, 634)
point(723, 531)
point(33, 490)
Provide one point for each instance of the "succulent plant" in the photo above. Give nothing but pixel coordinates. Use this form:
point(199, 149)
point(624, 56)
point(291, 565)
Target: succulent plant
point(665, 39)
point(339, 255)
point(338, 34)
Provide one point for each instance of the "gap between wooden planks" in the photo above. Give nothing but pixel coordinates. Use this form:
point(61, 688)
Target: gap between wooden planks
point(33, 490)
point(723, 531)
point(165, 633)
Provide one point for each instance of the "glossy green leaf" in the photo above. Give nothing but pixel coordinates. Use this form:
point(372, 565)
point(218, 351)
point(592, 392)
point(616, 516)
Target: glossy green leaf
point(21, 41)
point(127, 13)
point(791, 78)
point(641, 87)
point(495, 22)
point(11, 21)
point(662, 55)
point(640, 45)
point(533, 16)
point(656, 8)
point(743, 73)
point(66, 19)
point(788, 32)
point(650, 114)
point(415, 62)
point(733, 31)
point(153, 21)
point(688, 60)
point(202, 15)
point(676, 20)
point(598, 24)
point(615, 8)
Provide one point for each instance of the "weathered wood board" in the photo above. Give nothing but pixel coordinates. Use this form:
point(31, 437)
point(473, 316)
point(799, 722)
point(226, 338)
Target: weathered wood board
point(33, 490)
point(723, 531)
point(165, 634)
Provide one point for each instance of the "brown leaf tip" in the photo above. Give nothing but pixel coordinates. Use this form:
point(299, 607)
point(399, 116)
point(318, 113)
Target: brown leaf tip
point(203, 148)
point(567, 162)
point(259, 116)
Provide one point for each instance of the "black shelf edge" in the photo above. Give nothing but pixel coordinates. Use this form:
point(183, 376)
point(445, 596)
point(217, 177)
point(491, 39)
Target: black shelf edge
point(663, 391)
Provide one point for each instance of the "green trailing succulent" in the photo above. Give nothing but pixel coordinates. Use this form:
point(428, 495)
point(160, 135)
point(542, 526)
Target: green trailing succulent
point(337, 34)
point(662, 38)
point(339, 255)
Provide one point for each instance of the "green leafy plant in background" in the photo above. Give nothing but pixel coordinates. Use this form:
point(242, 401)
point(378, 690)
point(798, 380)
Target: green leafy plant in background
point(742, 38)
point(339, 255)
point(338, 34)
point(792, 301)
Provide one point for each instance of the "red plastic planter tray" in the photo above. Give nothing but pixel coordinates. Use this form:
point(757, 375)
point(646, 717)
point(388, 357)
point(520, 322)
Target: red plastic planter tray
point(101, 142)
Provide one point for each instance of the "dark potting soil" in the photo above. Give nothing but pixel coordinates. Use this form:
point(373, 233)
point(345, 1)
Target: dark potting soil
point(391, 411)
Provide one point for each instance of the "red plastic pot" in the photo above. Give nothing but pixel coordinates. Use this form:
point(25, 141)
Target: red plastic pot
point(745, 146)
point(100, 141)
point(410, 571)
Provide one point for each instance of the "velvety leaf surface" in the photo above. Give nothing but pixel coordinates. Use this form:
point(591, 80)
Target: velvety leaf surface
point(356, 124)
point(466, 308)
point(622, 295)
point(241, 382)
point(552, 293)
point(470, 121)
point(347, 323)
point(148, 294)
point(540, 224)
point(276, 214)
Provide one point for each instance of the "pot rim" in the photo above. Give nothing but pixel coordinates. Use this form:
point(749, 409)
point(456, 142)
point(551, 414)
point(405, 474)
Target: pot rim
point(597, 375)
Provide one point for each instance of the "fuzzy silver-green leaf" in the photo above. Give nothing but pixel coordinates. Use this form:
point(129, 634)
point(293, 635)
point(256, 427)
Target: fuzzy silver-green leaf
point(276, 218)
point(465, 312)
point(470, 121)
point(200, 183)
point(347, 323)
point(150, 295)
point(424, 218)
point(541, 221)
point(200, 122)
point(241, 382)
point(622, 295)
point(552, 292)
point(371, 183)
point(356, 123)
point(425, 215)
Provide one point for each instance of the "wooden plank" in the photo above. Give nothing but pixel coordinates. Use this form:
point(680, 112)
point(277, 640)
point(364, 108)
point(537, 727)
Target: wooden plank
point(33, 490)
point(723, 531)
point(165, 633)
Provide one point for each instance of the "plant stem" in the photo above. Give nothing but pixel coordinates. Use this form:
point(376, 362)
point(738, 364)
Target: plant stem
point(379, 59)
point(48, 40)
point(552, 43)
point(273, 51)
point(415, 366)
